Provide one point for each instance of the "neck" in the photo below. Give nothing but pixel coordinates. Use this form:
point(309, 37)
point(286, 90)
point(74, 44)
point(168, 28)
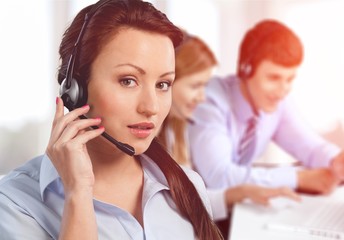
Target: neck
point(119, 178)
point(107, 159)
point(247, 95)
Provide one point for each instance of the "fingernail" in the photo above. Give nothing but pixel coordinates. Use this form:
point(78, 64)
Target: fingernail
point(85, 106)
point(98, 118)
point(57, 100)
point(101, 127)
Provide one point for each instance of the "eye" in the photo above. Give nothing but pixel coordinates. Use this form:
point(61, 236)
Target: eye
point(128, 82)
point(164, 86)
point(274, 77)
point(197, 85)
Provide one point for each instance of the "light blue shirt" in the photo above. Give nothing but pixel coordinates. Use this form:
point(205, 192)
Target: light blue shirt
point(32, 198)
point(220, 123)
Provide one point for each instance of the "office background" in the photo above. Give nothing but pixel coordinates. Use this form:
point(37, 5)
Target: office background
point(31, 31)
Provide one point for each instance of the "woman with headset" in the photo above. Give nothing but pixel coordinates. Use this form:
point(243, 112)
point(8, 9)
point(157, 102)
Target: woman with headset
point(117, 68)
point(195, 63)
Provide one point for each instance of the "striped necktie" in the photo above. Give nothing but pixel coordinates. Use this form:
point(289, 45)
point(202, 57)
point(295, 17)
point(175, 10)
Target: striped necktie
point(248, 141)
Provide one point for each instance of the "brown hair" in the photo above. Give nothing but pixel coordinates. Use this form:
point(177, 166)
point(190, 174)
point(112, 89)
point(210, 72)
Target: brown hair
point(192, 55)
point(269, 40)
point(110, 16)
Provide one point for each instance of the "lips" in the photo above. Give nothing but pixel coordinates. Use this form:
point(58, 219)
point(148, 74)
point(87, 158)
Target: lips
point(142, 130)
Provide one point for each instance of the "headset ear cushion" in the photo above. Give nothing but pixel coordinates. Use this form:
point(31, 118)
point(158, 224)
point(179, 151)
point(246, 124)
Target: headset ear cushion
point(245, 70)
point(75, 96)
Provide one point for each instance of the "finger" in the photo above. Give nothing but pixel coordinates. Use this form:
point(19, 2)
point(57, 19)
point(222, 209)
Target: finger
point(62, 120)
point(73, 115)
point(59, 110)
point(262, 200)
point(84, 136)
point(289, 193)
point(76, 127)
point(260, 195)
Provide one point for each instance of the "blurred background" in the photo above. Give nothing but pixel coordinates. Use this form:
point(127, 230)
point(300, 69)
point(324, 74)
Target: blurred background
point(31, 31)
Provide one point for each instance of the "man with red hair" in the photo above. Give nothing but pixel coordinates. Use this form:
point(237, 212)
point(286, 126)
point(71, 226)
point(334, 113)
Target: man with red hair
point(246, 111)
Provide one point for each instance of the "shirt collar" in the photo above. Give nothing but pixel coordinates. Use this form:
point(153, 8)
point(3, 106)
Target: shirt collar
point(153, 171)
point(48, 174)
point(242, 109)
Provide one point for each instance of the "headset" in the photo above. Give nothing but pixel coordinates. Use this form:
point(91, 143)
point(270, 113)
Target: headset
point(74, 92)
point(245, 67)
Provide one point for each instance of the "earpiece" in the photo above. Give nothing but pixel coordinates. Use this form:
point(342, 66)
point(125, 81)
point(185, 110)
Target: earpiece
point(73, 97)
point(257, 37)
point(245, 70)
point(74, 92)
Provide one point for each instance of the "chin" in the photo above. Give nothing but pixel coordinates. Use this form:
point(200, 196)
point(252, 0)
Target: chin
point(188, 116)
point(141, 147)
point(140, 150)
point(270, 109)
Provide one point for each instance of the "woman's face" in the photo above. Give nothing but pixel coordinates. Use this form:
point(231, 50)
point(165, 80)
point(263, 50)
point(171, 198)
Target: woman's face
point(270, 84)
point(129, 86)
point(188, 92)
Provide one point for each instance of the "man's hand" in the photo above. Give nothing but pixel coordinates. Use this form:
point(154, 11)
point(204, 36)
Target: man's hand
point(337, 165)
point(258, 194)
point(317, 181)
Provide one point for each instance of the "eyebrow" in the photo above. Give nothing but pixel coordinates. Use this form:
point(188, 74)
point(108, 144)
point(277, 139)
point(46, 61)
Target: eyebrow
point(140, 70)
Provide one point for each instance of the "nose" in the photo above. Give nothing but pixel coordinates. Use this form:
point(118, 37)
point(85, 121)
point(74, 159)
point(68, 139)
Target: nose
point(148, 102)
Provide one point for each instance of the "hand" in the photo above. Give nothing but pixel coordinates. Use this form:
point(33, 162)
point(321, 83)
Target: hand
point(262, 195)
point(258, 194)
point(337, 165)
point(317, 181)
point(67, 147)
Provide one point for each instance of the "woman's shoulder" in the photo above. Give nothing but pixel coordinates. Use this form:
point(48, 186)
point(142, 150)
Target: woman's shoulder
point(22, 181)
point(22, 205)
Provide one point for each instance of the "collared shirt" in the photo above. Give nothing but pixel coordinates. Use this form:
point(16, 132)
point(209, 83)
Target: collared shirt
point(32, 198)
point(220, 123)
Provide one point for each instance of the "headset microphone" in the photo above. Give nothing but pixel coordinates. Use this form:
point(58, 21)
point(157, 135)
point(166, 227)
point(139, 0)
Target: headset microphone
point(122, 146)
point(74, 92)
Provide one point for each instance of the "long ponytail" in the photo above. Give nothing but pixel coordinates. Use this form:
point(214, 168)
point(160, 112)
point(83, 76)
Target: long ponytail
point(184, 193)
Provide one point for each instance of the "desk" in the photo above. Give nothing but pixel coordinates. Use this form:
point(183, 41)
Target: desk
point(249, 220)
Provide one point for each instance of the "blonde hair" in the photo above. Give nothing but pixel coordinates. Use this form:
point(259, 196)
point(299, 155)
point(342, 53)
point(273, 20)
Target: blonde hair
point(192, 56)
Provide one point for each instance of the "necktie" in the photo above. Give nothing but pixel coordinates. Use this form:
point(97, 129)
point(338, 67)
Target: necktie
point(248, 141)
